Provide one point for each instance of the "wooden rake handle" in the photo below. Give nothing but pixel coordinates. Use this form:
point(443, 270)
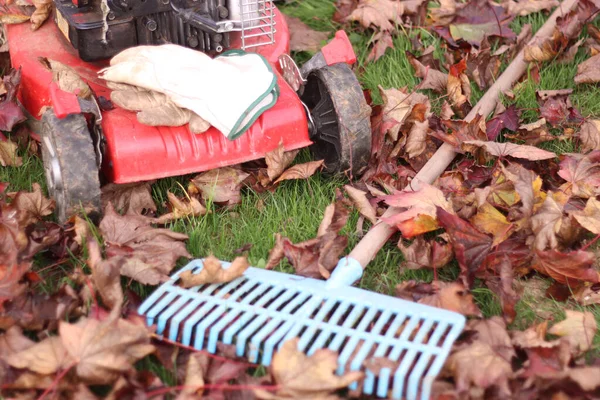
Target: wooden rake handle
point(379, 234)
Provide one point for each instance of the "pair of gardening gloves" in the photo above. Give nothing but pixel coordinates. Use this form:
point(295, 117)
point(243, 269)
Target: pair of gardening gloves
point(171, 85)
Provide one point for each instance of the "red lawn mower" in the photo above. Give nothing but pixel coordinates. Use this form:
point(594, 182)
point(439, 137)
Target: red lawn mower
point(320, 105)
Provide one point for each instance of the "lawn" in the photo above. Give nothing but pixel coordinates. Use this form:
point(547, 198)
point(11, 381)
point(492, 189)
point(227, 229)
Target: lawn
point(295, 208)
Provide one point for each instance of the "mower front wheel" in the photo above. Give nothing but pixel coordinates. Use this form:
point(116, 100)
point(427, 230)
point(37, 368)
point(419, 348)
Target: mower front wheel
point(70, 165)
point(340, 117)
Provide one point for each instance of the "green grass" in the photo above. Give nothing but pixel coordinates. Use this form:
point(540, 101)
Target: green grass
point(295, 209)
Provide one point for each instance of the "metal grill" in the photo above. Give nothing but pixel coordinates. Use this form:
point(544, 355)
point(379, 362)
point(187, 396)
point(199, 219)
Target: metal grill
point(261, 310)
point(257, 23)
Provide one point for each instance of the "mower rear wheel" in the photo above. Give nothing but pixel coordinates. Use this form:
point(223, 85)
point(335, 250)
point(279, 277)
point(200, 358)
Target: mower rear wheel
point(341, 119)
point(70, 165)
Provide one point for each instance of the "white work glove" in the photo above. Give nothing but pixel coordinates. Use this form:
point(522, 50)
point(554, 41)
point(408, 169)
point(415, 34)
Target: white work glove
point(154, 108)
point(230, 92)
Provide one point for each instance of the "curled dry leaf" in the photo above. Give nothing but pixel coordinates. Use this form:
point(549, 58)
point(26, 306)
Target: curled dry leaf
point(381, 14)
point(213, 272)
point(582, 174)
point(425, 254)
point(8, 153)
point(301, 171)
point(488, 219)
point(588, 71)
point(106, 276)
point(182, 208)
point(383, 41)
point(459, 88)
point(10, 276)
point(278, 160)
point(397, 106)
point(578, 329)
point(298, 376)
point(220, 185)
point(66, 77)
point(590, 135)
point(534, 336)
point(43, 8)
point(526, 7)
point(451, 296)
point(129, 198)
point(302, 38)
point(9, 19)
point(10, 115)
point(362, 204)
point(546, 48)
point(566, 268)
point(32, 206)
point(432, 78)
point(513, 150)
point(315, 258)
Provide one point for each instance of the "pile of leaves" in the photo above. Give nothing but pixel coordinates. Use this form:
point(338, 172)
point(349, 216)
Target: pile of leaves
point(506, 212)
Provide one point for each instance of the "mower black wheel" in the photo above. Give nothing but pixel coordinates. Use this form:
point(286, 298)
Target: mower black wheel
point(340, 117)
point(70, 165)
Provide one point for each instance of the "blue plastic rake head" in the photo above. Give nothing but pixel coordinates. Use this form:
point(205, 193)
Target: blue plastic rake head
point(262, 309)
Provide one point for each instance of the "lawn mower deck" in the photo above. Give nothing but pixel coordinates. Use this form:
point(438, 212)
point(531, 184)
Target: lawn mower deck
point(136, 152)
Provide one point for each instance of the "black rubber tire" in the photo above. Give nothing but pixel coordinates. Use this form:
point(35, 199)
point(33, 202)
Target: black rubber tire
point(67, 147)
point(341, 115)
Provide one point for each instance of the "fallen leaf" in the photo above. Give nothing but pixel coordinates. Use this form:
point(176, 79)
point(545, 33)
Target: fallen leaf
point(458, 88)
point(8, 19)
point(471, 246)
point(182, 208)
point(343, 8)
point(213, 272)
point(278, 160)
point(378, 13)
point(10, 276)
point(106, 276)
point(526, 7)
point(32, 206)
point(315, 258)
point(299, 376)
point(302, 38)
point(383, 41)
point(397, 106)
point(220, 185)
point(432, 78)
point(451, 296)
point(46, 357)
point(43, 8)
point(578, 328)
point(276, 254)
point(582, 173)
point(301, 171)
point(534, 133)
point(416, 142)
point(8, 151)
point(556, 107)
point(589, 217)
point(488, 219)
point(133, 237)
point(10, 113)
point(335, 217)
point(66, 78)
point(566, 268)
point(534, 336)
point(501, 283)
point(362, 204)
point(587, 295)
point(588, 71)
point(590, 135)
point(129, 198)
point(103, 350)
point(544, 49)
point(513, 150)
point(509, 119)
point(425, 254)
point(13, 341)
point(461, 132)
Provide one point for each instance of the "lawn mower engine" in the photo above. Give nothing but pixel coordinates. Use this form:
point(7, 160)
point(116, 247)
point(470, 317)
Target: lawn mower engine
point(99, 29)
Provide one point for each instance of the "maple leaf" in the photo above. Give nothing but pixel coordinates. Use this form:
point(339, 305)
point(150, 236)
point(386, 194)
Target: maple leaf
point(432, 78)
point(10, 115)
point(502, 286)
point(302, 38)
point(588, 71)
point(582, 173)
point(202, 369)
point(32, 206)
point(315, 258)
point(278, 160)
point(528, 186)
point(13, 341)
point(425, 254)
point(451, 296)
point(543, 49)
point(220, 185)
point(578, 329)
point(362, 204)
point(548, 223)
point(301, 171)
point(397, 107)
point(8, 151)
point(534, 336)
point(133, 237)
point(421, 210)
point(526, 7)
point(383, 41)
point(335, 217)
point(461, 132)
point(507, 149)
point(129, 198)
point(416, 142)
point(343, 8)
point(590, 135)
point(556, 107)
point(213, 272)
point(103, 350)
point(508, 119)
point(182, 208)
point(306, 377)
point(534, 133)
point(566, 268)
point(471, 246)
point(46, 357)
point(106, 275)
point(459, 88)
point(10, 275)
point(488, 219)
point(589, 217)
point(377, 13)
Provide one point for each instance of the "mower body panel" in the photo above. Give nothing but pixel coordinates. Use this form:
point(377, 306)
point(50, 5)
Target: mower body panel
point(136, 152)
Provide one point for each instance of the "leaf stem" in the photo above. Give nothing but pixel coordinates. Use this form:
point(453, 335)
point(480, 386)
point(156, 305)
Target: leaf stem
point(55, 381)
point(594, 240)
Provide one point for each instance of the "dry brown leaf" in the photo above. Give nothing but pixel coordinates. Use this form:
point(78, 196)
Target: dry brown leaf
point(220, 185)
point(526, 7)
point(589, 217)
point(213, 272)
point(43, 9)
point(589, 70)
point(103, 350)
point(66, 77)
point(587, 295)
point(8, 154)
point(276, 254)
point(451, 296)
point(489, 219)
point(278, 160)
point(416, 142)
point(544, 49)
point(303, 38)
point(32, 206)
point(590, 135)
point(534, 336)
point(298, 376)
point(432, 78)
point(458, 88)
point(513, 150)
point(381, 14)
point(13, 341)
point(548, 222)
point(46, 357)
point(425, 254)
point(301, 171)
point(8, 19)
point(383, 41)
point(129, 198)
point(362, 204)
point(578, 328)
point(106, 276)
point(335, 217)
point(397, 106)
point(188, 207)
